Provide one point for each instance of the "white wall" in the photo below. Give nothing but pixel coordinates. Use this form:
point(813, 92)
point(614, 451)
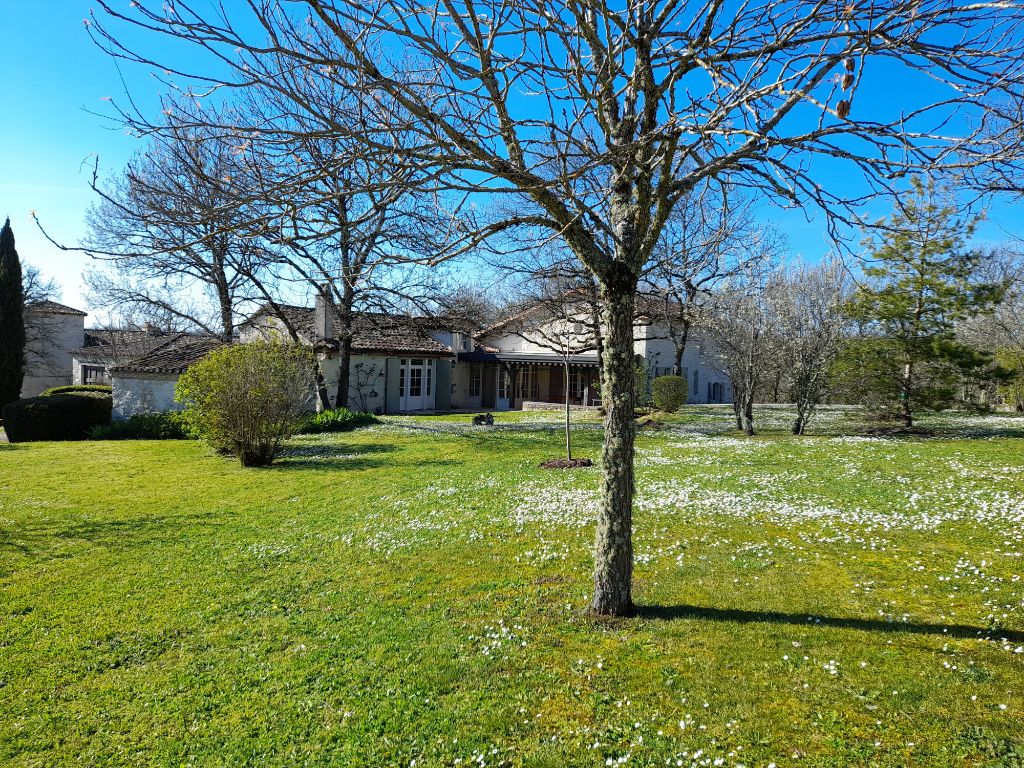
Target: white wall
point(366, 380)
point(49, 341)
point(135, 394)
point(659, 352)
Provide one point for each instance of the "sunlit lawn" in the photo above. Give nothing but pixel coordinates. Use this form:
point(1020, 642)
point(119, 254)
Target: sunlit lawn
point(415, 592)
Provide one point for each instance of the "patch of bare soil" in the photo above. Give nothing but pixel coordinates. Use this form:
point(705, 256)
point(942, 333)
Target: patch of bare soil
point(649, 423)
point(566, 463)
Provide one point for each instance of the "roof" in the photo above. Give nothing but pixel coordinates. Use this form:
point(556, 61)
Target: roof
point(648, 308)
point(173, 356)
point(480, 355)
point(371, 331)
point(53, 308)
point(118, 345)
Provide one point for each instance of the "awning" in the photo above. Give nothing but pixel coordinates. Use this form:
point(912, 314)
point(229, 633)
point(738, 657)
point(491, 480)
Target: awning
point(528, 358)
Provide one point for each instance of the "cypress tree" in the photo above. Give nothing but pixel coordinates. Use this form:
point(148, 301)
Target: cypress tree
point(12, 319)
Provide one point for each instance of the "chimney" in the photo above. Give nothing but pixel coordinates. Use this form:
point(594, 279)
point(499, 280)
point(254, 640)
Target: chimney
point(322, 311)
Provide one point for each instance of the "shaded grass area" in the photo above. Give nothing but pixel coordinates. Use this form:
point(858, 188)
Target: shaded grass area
point(400, 594)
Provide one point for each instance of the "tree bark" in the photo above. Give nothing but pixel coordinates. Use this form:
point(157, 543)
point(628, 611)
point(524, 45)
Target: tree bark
point(344, 370)
point(680, 347)
point(748, 412)
point(613, 547)
point(568, 438)
point(906, 413)
point(345, 320)
point(321, 388)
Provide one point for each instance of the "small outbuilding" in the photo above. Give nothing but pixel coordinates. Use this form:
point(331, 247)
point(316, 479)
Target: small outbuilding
point(146, 384)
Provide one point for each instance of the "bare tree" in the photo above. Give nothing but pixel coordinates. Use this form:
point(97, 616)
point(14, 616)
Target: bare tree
point(36, 286)
point(1001, 331)
point(170, 232)
point(559, 319)
point(597, 120)
point(807, 303)
point(346, 221)
point(741, 335)
point(704, 243)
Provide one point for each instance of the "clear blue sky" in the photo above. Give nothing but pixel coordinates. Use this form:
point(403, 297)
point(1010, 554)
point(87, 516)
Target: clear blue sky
point(53, 74)
point(55, 78)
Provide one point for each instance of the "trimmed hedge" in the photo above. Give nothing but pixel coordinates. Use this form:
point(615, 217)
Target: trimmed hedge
point(669, 393)
point(71, 388)
point(336, 420)
point(67, 416)
point(171, 425)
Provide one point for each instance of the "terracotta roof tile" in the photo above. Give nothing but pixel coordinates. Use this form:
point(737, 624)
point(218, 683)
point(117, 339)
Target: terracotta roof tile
point(372, 332)
point(53, 308)
point(173, 356)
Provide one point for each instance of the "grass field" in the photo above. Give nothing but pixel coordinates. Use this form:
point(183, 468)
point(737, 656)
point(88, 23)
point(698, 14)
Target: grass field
point(413, 594)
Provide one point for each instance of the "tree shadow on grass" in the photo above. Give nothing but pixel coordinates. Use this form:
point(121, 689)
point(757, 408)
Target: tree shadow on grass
point(348, 457)
point(32, 540)
point(739, 616)
point(332, 456)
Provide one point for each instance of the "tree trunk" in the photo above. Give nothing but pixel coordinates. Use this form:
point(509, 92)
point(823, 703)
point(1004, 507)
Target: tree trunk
point(321, 388)
point(344, 369)
point(748, 415)
point(613, 547)
point(800, 423)
point(748, 404)
point(568, 438)
point(345, 320)
point(225, 307)
point(680, 346)
point(906, 414)
point(737, 410)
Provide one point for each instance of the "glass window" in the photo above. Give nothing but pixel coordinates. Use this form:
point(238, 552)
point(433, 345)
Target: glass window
point(401, 380)
point(575, 383)
point(696, 383)
point(475, 376)
point(415, 381)
point(529, 386)
point(430, 378)
point(94, 374)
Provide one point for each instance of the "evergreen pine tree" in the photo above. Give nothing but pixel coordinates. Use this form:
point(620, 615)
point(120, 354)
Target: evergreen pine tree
point(922, 280)
point(12, 319)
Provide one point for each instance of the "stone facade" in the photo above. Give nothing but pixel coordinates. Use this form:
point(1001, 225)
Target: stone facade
point(138, 393)
point(52, 331)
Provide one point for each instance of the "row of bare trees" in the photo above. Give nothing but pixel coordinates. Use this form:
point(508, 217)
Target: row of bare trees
point(585, 123)
point(778, 328)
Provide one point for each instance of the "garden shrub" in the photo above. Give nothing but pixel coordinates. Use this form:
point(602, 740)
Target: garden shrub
point(669, 393)
point(247, 399)
point(641, 383)
point(171, 425)
point(71, 388)
point(68, 416)
point(336, 420)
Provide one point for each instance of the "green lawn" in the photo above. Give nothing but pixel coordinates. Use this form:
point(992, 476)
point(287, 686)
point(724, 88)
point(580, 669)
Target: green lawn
point(415, 592)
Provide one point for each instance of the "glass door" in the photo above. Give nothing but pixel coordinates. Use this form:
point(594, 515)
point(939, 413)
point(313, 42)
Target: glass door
point(415, 384)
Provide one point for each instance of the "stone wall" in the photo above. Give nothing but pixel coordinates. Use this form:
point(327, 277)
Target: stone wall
point(135, 394)
point(49, 341)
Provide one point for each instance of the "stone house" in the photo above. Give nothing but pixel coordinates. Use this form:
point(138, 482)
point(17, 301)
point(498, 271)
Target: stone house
point(146, 384)
point(412, 364)
point(52, 332)
point(521, 361)
point(105, 348)
point(399, 364)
